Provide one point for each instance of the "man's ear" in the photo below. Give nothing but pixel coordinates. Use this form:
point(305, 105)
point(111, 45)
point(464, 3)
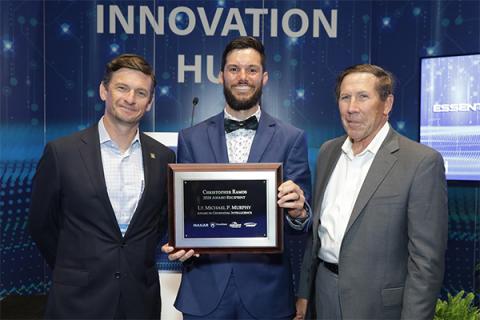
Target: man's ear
point(103, 91)
point(220, 77)
point(388, 105)
point(265, 78)
point(149, 106)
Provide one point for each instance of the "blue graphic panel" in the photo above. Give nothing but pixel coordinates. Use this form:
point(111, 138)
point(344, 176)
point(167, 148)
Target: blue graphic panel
point(53, 53)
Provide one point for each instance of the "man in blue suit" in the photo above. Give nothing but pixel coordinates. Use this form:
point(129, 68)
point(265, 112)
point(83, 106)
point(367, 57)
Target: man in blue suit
point(245, 286)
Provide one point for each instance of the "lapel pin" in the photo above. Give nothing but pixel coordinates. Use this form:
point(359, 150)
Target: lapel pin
point(152, 155)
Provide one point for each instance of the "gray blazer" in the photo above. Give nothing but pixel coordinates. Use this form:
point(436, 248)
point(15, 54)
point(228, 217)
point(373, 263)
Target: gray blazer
point(391, 260)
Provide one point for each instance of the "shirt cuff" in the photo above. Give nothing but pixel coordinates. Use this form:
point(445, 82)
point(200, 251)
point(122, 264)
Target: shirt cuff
point(301, 223)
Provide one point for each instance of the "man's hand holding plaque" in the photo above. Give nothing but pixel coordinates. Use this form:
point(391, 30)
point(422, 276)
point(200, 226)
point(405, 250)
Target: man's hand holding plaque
point(291, 197)
point(180, 255)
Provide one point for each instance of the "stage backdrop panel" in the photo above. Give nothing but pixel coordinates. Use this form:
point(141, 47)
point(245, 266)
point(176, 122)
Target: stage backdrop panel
point(53, 54)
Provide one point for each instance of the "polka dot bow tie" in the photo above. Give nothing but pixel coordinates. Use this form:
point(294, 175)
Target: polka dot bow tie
point(249, 124)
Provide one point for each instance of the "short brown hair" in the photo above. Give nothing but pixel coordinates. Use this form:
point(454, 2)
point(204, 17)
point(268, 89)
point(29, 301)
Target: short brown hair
point(386, 81)
point(246, 42)
point(129, 61)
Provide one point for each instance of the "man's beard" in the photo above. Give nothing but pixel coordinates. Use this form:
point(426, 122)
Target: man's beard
point(238, 105)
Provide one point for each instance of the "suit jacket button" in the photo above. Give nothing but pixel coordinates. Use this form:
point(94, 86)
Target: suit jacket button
point(117, 275)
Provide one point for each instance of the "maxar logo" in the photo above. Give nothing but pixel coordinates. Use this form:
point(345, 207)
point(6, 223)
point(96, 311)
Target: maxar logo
point(457, 107)
point(200, 225)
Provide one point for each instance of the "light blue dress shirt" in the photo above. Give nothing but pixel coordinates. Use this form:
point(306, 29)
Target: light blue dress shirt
point(124, 176)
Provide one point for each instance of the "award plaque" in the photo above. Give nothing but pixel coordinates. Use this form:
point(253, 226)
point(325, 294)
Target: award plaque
point(225, 208)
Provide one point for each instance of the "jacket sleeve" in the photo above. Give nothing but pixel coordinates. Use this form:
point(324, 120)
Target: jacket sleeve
point(44, 217)
point(427, 238)
point(296, 169)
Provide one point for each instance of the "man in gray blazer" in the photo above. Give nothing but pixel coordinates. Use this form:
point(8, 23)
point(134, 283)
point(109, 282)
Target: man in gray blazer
point(380, 214)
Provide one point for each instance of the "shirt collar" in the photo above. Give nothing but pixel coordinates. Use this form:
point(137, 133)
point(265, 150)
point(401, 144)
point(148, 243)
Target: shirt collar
point(257, 114)
point(105, 137)
point(372, 147)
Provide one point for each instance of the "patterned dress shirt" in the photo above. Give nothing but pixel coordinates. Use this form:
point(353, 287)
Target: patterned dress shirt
point(123, 176)
point(240, 141)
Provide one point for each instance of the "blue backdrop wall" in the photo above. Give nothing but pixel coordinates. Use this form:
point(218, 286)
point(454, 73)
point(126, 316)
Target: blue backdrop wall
point(52, 55)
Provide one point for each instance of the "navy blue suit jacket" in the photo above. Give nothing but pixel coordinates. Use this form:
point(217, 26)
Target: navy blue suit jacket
point(264, 281)
point(74, 226)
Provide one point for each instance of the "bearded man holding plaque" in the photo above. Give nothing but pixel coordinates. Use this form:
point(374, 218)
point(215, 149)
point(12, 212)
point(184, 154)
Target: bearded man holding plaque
point(241, 285)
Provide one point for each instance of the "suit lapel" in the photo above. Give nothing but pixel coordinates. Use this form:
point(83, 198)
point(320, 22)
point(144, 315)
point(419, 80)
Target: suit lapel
point(148, 158)
point(92, 158)
point(323, 177)
point(263, 136)
point(216, 136)
point(382, 164)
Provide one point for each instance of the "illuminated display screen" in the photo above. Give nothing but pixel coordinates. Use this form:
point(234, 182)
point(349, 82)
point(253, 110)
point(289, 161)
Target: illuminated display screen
point(450, 112)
